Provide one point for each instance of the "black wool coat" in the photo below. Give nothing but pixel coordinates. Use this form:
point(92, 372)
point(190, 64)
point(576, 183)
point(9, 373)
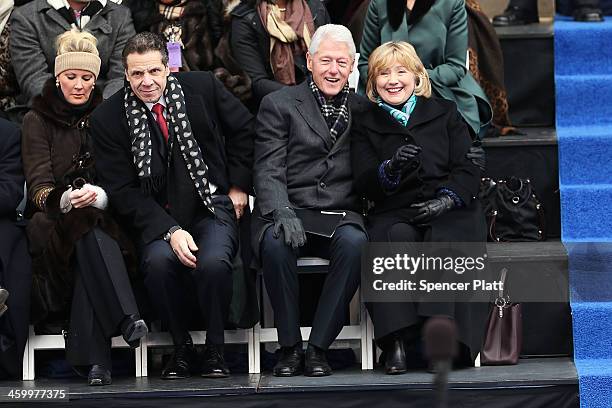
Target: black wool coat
point(223, 128)
point(15, 263)
point(250, 45)
point(436, 126)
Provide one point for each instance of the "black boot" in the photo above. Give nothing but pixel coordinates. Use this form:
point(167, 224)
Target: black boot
point(395, 360)
point(514, 16)
point(316, 364)
point(99, 375)
point(214, 363)
point(290, 362)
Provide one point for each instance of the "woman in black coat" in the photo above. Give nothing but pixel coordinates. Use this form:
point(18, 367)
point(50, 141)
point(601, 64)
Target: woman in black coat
point(15, 265)
point(286, 24)
point(409, 158)
point(77, 263)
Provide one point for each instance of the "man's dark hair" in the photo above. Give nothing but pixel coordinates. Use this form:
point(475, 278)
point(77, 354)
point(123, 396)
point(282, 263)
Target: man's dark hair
point(144, 42)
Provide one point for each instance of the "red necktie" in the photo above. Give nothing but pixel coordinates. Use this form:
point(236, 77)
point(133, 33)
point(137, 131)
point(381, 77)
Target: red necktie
point(158, 109)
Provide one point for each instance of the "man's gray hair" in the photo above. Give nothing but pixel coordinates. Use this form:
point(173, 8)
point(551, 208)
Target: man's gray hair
point(334, 32)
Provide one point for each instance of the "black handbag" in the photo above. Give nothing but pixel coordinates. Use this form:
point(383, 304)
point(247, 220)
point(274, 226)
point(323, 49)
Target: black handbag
point(513, 210)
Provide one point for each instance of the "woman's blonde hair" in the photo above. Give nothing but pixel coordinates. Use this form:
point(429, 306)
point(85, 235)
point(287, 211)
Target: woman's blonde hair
point(404, 54)
point(76, 41)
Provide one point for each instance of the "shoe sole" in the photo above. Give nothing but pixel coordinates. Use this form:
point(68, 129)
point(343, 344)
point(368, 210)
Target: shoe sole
point(294, 374)
point(215, 375)
point(317, 374)
point(138, 330)
point(97, 382)
point(175, 377)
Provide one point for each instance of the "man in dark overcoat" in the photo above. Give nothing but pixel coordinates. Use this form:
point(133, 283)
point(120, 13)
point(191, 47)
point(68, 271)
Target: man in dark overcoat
point(301, 167)
point(15, 263)
point(36, 25)
point(174, 153)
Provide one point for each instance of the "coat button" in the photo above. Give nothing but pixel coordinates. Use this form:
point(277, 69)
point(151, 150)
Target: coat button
point(322, 184)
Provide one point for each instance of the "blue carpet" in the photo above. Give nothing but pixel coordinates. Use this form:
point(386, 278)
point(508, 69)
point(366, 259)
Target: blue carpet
point(583, 81)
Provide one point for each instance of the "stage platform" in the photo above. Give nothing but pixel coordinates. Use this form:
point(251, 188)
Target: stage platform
point(535, 382)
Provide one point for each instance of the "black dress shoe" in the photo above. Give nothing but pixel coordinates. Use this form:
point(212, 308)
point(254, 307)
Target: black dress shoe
point(514, 16)
point(290, 362)
point(395, 360)
point(214, 362)
point(588, 15)
point(99, 375)
point(316, 364)
point(179, 365)
point(132, 330)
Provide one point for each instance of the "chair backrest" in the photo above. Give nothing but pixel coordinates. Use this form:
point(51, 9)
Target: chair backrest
point(354, 77)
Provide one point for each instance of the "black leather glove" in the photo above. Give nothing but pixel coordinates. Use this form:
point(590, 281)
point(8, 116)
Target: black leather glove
point(431, 209)
point(285, 219)
point(477, 155)
point(404, 156)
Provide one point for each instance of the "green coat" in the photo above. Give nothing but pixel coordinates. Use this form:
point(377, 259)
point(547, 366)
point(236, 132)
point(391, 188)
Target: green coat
point(440, 38)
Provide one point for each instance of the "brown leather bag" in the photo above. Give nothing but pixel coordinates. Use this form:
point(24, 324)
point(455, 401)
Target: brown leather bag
point(504, 335)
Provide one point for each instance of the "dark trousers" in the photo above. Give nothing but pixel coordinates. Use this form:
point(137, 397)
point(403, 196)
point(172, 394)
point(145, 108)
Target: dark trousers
point(102, 298)
point(170, 284)
point(279, 263)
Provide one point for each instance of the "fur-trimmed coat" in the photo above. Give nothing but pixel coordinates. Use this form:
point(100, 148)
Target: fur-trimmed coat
point(52, 136)
point(204, 35)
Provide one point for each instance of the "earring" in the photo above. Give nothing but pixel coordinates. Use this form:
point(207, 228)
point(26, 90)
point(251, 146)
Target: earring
point(93, 86)
point(57, 83)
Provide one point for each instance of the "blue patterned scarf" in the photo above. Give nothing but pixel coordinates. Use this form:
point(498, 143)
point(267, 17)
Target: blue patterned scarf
point(403, 115)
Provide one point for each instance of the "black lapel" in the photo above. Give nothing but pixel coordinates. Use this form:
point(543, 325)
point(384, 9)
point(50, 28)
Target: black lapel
point(308, 107)
point(426, 109)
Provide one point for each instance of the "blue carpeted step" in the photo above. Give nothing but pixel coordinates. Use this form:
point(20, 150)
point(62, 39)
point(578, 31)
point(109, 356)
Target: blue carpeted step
point(590, 266)
point(595, 379)
point(592, 327)
point(586, 213)
point(584, 154)
point(583, 100)
point(583, 48)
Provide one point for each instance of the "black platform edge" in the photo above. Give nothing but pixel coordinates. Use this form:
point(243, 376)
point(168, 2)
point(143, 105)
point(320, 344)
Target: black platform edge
point(531, 136)
point(552, 373)
point(544, 29)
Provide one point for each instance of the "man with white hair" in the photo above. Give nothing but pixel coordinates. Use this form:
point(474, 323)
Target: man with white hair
point(35, 25)
point(302, 174)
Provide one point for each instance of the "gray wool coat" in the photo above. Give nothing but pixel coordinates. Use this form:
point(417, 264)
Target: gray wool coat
point(36, 25)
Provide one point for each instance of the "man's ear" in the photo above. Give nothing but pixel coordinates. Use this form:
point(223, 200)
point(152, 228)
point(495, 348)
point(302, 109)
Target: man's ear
point(126, 75)
point(167, 68)
point(309, 61)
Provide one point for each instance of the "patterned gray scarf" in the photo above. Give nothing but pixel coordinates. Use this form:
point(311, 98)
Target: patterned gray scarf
point(335, 111)
point(178, 124)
